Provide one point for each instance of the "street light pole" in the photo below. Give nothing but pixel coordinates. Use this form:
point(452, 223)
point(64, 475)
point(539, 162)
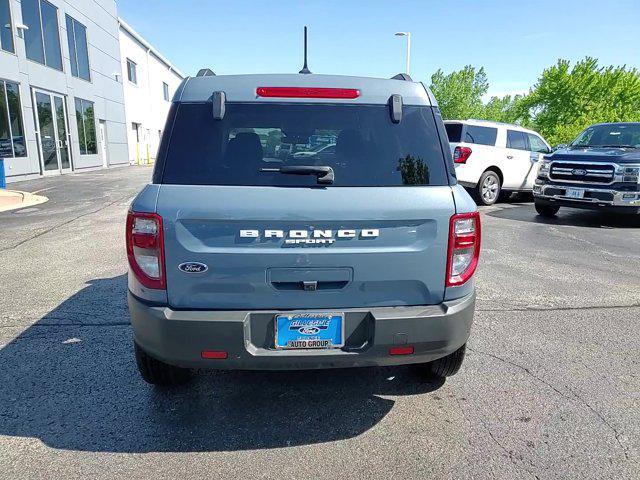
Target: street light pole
point(408, 35)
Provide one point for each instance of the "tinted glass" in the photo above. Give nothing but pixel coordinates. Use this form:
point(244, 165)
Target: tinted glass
point(6, 150)
point(72, 47)
point(90, 127)
point(480, 135)
point(32, 36)
point(369, 150)
point(6, 30)
point(454, 131)
point(131, 71)
point(536, 144)
point(50, 34)
point(80, 122)
point(15, 119)
point(517, 140)
point(61, 123)
point(86, 127)
point(47, 131)
point(620, 134)
point(81, 50)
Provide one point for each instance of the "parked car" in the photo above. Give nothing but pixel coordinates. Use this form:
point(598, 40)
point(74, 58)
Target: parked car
point(492, 157)
point(238, 263)
point(599, 170)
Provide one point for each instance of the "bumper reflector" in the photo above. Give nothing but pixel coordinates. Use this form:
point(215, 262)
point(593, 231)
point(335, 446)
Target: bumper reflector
point(214, 354)
point(404, 350)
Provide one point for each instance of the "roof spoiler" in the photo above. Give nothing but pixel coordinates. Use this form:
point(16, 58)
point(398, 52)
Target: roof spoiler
point(402, 76)
point(205, 72)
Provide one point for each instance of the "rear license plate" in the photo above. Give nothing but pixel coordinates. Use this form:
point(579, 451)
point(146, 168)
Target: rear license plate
point(574, 193)
point(309, 330)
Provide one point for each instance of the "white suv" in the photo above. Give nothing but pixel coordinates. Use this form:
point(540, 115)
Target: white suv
point(491, 157)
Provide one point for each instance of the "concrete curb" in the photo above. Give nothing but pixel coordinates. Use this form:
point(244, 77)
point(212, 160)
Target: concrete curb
point(14, 199)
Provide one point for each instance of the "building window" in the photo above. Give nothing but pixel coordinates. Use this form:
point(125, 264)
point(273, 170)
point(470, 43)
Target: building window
point(86, 127)
point(165, 91)
point(78, 50)
point(42, 40)
point(6, 27)
point(12, 141)
point(131, 71)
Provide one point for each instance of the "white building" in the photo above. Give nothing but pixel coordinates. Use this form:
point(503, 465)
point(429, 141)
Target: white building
point(149, 82)
point(61, 101)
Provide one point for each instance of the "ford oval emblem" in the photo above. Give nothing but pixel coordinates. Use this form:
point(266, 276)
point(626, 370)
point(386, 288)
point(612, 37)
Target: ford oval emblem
point(193, 267)
point(579, 172)
point(309, 330)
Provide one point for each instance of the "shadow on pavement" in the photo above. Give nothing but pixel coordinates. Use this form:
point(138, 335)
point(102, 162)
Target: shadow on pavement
point(567, 216)
point(70, 380)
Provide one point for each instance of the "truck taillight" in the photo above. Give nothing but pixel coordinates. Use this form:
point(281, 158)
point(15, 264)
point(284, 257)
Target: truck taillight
point(464, 248)
point(461, 154)
point(145, 249)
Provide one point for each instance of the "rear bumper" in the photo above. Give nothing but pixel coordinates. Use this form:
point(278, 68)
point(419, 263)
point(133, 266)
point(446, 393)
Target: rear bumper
point(179, 337)
point(595, 198)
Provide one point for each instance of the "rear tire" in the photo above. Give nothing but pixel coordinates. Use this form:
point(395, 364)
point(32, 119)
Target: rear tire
point(155, 372)
point(449, 365)
point(488, 188)
point(546, 210)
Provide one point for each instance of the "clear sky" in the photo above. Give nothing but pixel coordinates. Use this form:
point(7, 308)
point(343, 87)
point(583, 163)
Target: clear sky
point(514, 40)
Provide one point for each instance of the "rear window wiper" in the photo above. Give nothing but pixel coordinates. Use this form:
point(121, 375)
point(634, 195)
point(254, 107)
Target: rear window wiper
point(323, 174)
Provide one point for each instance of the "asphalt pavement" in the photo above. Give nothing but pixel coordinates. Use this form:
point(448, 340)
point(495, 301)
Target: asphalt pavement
point(550, 387)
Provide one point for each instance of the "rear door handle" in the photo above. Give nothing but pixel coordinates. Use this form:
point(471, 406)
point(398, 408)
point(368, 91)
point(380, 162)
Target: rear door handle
point(509, 157)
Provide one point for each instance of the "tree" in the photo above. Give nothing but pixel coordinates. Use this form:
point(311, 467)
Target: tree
point(460, 93)
point(566, 100)
point(507, 109)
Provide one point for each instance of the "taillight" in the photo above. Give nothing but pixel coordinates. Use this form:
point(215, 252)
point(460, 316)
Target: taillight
point(464, 248)
point(461, 154)
point(308, 92)
point(145, 249)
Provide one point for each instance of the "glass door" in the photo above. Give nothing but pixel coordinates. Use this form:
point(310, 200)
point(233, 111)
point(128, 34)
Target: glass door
point(53, 137)
point(63, 137)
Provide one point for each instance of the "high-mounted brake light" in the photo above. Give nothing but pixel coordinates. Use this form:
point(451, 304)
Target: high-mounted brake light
point(461, 154)
point(308, 92)
point(145, 249)
point(464, 248)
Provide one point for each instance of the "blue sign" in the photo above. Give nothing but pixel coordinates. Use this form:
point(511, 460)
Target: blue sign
point(309, 330)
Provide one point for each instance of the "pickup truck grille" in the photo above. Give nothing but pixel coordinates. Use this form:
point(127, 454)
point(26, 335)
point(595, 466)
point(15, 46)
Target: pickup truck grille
point(582, 172)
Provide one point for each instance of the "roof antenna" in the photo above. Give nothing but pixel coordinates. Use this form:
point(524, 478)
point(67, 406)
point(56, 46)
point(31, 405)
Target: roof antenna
point(304, 68)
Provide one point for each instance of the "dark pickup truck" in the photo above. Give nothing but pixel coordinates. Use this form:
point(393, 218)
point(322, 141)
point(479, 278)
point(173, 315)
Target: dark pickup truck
point(599, 170)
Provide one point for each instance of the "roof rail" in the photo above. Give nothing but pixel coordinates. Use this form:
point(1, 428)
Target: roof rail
point(402, 76)
point(205, 72)
point(491, 121)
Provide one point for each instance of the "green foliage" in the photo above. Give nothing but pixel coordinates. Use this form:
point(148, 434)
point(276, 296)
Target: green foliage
point(460, 93)
point(507, 109)
point(566, 100)
point(560, 105)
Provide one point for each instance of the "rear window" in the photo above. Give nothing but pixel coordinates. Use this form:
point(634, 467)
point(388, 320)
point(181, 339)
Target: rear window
point(480, 135)
point(454, 131)
point(360, 142)
point(517, 140)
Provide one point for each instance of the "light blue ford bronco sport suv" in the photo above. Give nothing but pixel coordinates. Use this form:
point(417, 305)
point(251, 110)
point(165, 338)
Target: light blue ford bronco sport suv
point(301, 222)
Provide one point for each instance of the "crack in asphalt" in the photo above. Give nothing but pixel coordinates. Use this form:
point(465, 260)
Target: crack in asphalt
point(514, 461)
point(67, 222)
point(75, 324)
point(574, 397)
point(557, 309)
